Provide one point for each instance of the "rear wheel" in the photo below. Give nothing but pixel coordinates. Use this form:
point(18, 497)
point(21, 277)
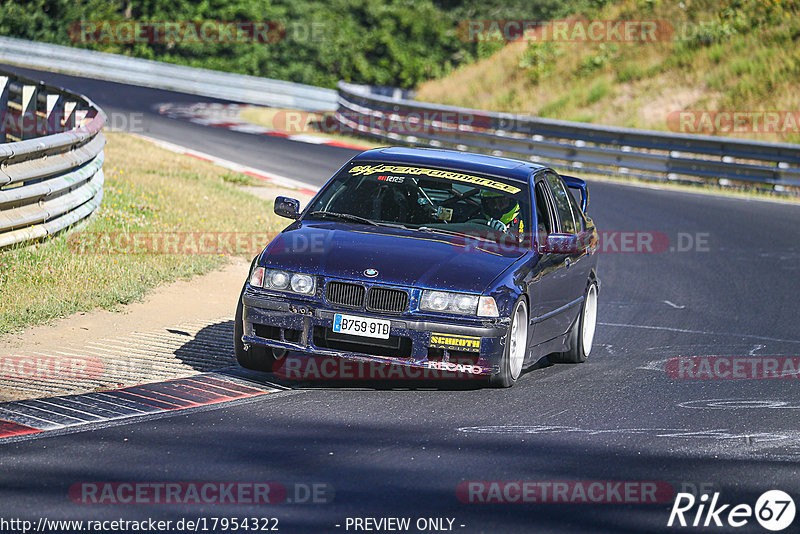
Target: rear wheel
point(516, 347)
point(581, 336)
point(257, 357)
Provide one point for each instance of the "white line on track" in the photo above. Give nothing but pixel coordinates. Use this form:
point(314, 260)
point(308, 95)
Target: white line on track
point(715, 434)
point(702, 332)
point(739, 404)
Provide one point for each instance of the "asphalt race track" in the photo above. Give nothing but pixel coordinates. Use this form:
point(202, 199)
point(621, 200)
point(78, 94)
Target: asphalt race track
point(722, 283)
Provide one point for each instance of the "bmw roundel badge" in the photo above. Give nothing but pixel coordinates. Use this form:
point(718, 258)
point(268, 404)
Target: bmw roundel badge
point(372, 273)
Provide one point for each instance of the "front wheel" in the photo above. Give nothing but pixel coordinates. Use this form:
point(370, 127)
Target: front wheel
point(581, 336)
point(516, 347)
point(258, 357)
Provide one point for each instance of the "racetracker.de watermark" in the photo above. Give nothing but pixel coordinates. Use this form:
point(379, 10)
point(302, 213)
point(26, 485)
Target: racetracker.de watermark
point(568, 30)
point(395, 122)
point(726, 122)
point(201, 492)
point(49, 367)
point(331, 368)
point(176, 31)
point(178, 243)
point(567, 492)
point(195, 32)
point(733, 367)
point(36, 123)
point(608, 242)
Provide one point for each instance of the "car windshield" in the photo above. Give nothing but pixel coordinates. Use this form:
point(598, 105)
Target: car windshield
point(427, 199)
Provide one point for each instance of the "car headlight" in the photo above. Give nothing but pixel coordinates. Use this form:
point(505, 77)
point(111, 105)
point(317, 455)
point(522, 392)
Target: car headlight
point(282, 281)
point(276, 280)
point(444, 301)
point(302, 283)
point(435, 301)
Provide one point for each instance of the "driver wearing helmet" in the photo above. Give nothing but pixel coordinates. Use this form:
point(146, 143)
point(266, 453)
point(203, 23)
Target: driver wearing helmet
point(502, 212)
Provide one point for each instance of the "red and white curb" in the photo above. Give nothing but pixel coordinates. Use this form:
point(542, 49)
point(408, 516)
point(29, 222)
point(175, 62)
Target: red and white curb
point(227, 116)
point(28, 417)
point(277, 179)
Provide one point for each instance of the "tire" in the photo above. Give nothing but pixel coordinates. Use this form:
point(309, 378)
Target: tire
point(516, 347)
point(581, 336)
point(258, 357)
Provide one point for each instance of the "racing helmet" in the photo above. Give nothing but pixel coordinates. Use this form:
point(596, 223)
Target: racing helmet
point(498, 206)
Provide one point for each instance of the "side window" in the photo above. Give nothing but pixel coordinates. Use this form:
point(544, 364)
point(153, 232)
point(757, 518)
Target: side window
point(576, 211)
point(543, 220)
point(563, 206)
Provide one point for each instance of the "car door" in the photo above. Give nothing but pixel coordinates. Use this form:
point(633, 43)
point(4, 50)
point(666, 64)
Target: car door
point(583, 258)
point(576, 263)
point(573, 224)
point(550, 291)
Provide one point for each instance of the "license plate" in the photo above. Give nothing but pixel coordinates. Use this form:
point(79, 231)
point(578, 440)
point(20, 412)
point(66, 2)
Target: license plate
point(361, 326)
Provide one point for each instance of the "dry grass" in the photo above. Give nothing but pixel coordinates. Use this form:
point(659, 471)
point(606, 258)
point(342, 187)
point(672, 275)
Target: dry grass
point(147, 189)
point(724, 57)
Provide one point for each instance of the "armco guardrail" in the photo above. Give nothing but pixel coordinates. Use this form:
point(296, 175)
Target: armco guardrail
point(51, 159)
point(571, 145)
point(160, 75)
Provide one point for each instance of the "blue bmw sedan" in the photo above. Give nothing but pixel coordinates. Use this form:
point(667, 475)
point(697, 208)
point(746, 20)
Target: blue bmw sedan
point(428, 259)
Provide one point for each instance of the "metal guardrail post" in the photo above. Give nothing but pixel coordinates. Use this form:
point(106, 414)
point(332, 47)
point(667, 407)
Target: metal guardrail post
point(4, 82)
point(28, 119)
point(70, 107)
point(55, 112)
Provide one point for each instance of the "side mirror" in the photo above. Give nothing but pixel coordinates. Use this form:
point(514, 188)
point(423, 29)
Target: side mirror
point(287, 207)
point(559, 244)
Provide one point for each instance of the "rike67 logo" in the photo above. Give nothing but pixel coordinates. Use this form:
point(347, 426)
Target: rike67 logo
point(774, 510)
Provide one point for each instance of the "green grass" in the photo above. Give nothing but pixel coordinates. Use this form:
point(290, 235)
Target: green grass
point(236, 178)
point(147, 190)
point(630, 72)
point(597, 91)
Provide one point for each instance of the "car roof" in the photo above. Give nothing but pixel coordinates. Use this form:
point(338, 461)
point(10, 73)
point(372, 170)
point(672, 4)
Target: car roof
point(452, 159)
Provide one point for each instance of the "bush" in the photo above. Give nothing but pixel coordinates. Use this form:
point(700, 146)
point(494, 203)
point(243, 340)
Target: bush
point(602, 55)
point(539, 59)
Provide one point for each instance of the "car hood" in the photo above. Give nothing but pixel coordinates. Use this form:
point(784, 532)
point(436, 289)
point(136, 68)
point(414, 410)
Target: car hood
point(401, 257)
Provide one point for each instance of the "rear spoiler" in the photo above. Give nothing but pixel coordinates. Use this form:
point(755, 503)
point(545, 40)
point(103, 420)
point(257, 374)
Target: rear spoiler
point(577, 183)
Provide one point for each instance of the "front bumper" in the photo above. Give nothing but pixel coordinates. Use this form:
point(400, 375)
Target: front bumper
point(282, 322)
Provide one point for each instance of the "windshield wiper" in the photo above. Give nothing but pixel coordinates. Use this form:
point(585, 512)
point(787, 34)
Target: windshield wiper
point(345, 216)
point(354, 218)
point(452, 233)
